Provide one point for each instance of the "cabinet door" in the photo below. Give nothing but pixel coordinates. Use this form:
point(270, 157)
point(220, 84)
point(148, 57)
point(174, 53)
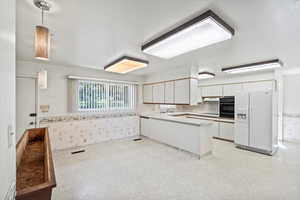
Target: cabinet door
point(182, 91)
point(226, 131)
point(169, 92)
point(145, 127)
point(147, 94)
point(199, 98)
point(258, 86)
point(215, 129)
point(232, 90)
point(212, 91)
point(159, 93)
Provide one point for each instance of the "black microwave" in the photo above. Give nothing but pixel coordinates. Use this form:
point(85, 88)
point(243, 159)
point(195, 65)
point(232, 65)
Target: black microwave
point(227, 107)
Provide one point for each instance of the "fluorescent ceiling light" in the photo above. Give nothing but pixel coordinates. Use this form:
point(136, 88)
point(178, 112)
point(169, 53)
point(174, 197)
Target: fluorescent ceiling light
point(204, 30)
point(126, 64)
point(205, 75)
point(265, 65)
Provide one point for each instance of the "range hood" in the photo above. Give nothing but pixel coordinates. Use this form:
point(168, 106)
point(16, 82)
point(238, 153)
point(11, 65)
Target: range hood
point(211, 99)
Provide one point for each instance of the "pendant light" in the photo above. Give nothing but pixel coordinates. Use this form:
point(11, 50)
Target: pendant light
point(42, 36)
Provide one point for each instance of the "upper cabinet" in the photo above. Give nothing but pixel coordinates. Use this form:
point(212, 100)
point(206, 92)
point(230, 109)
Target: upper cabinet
point(232, 90)
point(159, 93)
point(212, 91)
point(181, 91)
point(169, 92)
point(148, 93)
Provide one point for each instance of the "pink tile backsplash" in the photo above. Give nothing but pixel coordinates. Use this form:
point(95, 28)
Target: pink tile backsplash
point(70, 134)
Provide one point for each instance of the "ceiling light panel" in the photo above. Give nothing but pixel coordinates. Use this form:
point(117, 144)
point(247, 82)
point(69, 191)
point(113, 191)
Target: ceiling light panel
point(204, 30)
point(126, 64)
point(205, 75)
point(259, 66)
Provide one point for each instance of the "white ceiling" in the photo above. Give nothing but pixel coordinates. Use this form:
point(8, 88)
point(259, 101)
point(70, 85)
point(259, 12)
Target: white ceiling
point(92, 33)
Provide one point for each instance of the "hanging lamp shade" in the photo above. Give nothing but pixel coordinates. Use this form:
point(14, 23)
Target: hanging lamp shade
point(42, 43)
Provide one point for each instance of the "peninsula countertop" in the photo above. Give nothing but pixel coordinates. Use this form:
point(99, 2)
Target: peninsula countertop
point(197, 119)
point(184, 120)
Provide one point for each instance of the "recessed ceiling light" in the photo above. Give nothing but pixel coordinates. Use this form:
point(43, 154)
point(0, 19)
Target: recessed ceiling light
point(265, 65)
point(204, 30)
point(126, 64)
point(205, 75)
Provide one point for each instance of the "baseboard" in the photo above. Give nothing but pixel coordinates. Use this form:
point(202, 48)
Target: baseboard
point(11, 193)
point(291, 140)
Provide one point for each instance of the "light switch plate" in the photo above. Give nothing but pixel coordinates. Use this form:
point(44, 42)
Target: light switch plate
point(44, 108)
point(10, 135)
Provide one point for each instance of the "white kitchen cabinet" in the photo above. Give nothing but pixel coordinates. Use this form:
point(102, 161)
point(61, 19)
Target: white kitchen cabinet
point(169, 92)
point(182, 91)
point(212, 91)
point(226, 130)
point(258, 86)
point(188, 137)
point(145, 126)
point(159, 93)
point(232, 90)
point(199, 97)
point(148, 93)
point(215, 129)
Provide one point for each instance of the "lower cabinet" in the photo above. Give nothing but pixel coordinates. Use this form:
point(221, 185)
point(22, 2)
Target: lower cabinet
point(191, 138)
point(215, 129)
point(145, 126)
point(226, 131)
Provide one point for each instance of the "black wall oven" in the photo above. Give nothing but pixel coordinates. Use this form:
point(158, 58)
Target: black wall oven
point(227, 107)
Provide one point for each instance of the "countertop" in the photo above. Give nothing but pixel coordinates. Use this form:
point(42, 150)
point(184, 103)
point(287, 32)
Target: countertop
point(184, 120)
point(190, 118)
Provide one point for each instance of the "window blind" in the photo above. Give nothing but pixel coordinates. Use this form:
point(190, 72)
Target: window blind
point(102, 96)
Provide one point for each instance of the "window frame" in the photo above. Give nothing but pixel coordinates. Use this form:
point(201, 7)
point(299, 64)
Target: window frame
point(131, 96)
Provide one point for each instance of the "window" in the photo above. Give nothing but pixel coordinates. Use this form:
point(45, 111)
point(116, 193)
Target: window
point(103, 96)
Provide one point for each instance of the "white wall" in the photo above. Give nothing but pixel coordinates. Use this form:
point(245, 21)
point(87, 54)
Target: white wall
point(7, 100)
point(291, 108)
point(163, 75)
point(292, 94)
point(56, 96)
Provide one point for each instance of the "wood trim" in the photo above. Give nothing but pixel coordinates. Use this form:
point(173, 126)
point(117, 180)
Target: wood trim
point(205, 15)
point(20, 148)
point(45, 188)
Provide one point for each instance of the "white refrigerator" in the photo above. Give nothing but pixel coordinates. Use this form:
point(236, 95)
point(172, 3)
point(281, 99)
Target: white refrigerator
point(256, 122)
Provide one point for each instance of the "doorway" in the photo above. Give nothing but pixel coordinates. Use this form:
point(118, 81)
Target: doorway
point(26, 104)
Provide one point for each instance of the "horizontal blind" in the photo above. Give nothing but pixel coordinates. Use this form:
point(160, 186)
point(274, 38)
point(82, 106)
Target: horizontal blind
point(106, 96)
